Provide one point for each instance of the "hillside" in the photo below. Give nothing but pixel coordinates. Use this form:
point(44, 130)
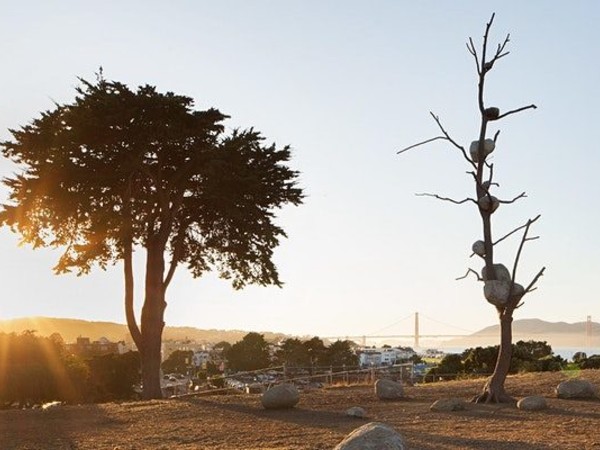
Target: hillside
point(557, 334)
point(70, 329)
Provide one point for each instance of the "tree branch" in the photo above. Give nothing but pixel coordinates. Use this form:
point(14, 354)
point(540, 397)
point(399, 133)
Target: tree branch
point(473, 51)
point(514, 111)
point(421, 143)
point(514, 231)
point(460, 147)
point(507, 202)
point(518, 256)
point(446, 199)
point(530, 288)
point(467, 274)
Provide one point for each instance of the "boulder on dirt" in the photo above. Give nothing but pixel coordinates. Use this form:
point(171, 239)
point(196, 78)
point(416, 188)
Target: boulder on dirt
point(448, 404)
point(372, 436)
point(576, 389)
point(532, 403)
point(388, 390)
point(280, 397)
point(356, 411)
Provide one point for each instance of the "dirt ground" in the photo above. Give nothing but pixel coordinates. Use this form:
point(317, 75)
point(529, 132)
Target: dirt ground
point(226, 422)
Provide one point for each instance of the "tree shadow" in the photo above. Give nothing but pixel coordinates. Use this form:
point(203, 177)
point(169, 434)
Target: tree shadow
point(55, 428)
point(297, 415)
point(418, 440)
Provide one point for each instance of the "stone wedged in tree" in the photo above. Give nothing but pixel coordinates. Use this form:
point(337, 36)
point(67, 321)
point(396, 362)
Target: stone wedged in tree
point(532, 403)
point(488, 147)
point(356, 411)
point(577, 388)
point(500, 271)
point(491, 113)
point(478, 248)
point(282, 396)
point(447, 404)
point(497, 292)
point(372, 436)
point(388, 390)
point(488, 203)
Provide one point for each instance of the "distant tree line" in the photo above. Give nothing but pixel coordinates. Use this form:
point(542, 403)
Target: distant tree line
point(527, 356)
point(38, 369)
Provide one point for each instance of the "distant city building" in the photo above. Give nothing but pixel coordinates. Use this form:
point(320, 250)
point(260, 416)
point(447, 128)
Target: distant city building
point(384, 356)
point(83, 346)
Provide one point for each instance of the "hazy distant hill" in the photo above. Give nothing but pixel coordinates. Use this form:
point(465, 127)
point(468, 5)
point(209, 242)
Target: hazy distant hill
point(557, 334)
point(70, 329)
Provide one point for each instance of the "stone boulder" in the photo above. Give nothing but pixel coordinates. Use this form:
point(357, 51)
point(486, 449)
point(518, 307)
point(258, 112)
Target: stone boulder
point(280, 397)
point(356, 411)
point(576, 389)
point(532, 403)
point(448, 404)
point(388, 390)
point(372, 436)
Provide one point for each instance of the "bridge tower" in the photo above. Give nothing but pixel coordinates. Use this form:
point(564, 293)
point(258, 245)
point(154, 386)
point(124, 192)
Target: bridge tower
point(588, 332)
point(416, 330)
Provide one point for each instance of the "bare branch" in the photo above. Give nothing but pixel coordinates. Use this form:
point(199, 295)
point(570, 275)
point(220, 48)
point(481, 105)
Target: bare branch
point(496, 136)
point(518, 256)
point(515, 230)
point(507, 202)
point(467, 274)
point(530, 288)
point(460, 147)
point(446, 199)
point(514, 111)
point(421, 143)
point(473, 51)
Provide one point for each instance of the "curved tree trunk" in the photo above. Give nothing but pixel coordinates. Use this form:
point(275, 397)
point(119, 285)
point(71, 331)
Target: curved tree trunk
point(153, 322)
point(494, 391)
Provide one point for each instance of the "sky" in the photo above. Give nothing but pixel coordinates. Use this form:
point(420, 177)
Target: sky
point(346, 84)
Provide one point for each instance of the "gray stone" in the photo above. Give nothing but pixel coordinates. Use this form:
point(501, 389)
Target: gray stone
point(356, 411)
point(488, 203)
point(388, 390)
point(280, 397)
point(497, 292)
point(488, 147)
point(448, 404)
point(501, 272)
point(372, 436)
point(478, 248)
point(532, 403)
point(576, 389)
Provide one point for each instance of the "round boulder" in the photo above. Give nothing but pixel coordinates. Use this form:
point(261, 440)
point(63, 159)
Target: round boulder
point(478, 248)
point(448, 404)
point(356, 411)
point(576, 389)
point(532, 403)
point(500, 270)
point(388, 390)
point(488, 203)
point(280, 397)
point(372, 436)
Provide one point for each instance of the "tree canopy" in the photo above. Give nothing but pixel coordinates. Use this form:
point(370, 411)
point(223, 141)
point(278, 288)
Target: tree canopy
point(119, 168)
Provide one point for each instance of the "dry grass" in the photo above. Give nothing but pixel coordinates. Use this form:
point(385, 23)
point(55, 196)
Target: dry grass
point(318, 422)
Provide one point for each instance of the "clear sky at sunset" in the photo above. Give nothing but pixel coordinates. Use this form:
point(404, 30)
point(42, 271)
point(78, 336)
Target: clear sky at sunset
point(346, 84)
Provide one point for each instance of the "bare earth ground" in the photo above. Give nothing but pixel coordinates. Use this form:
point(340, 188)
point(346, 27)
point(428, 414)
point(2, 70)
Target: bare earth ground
point(318, 422)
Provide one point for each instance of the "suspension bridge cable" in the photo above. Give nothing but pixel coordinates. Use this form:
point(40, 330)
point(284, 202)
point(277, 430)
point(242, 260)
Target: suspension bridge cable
point(446, 324)
point(389, 326)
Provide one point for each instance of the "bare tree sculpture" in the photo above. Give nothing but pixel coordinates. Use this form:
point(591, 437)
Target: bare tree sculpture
point(500, 286)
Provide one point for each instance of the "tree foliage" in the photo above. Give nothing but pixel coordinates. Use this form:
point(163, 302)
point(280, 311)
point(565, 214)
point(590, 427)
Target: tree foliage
point(251, 353)
point(40, 369)
point(120, 168)
point(178, 362)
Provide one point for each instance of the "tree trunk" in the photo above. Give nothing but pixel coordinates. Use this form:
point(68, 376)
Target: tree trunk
point(494, 391)
point(153, 322)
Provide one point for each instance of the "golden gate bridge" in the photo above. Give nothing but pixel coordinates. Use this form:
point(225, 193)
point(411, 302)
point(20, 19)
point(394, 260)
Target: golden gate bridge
point(417, 335)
